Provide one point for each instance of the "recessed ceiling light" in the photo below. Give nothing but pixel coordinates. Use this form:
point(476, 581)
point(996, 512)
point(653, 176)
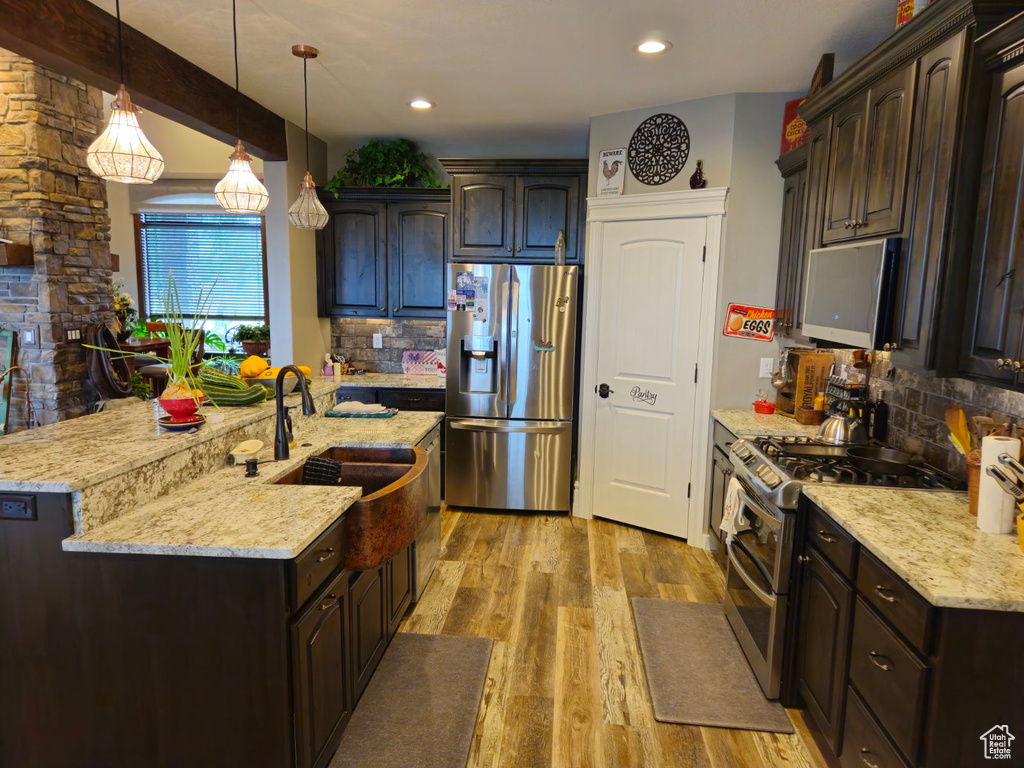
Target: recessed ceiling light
point(654, 46)
point(421, 104)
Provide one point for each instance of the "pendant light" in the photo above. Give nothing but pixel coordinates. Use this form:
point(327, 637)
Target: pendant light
point(240, 191)
point(122, 152)
point(307, 212)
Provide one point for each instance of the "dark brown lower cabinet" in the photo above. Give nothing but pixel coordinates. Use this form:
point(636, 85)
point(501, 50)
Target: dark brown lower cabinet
point(369, 596)
point(398, 571)
point(320, 661)
point(826, 604)
point(888, 679)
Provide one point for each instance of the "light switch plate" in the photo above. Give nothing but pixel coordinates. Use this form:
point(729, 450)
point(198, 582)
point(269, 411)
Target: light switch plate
point(767, 364)
point(378, 341)
point(74, 334)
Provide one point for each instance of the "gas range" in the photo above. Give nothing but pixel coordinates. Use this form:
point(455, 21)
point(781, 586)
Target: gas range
point(778, 467)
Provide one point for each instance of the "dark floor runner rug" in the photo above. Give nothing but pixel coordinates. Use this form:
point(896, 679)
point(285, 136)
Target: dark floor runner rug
point(420, 708)
point(696, 671)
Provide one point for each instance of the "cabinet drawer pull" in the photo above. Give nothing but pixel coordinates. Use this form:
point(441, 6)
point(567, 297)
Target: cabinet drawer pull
point(826, 537)
point(325, 555)
point(863, 758)
point(882, 593)
point(330, 601)
point(885, 666)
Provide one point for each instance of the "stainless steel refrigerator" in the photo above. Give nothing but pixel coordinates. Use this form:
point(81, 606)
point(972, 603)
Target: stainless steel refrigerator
point(511, 368)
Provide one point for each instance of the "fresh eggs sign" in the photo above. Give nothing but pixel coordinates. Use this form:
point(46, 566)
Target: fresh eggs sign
point(757, 323)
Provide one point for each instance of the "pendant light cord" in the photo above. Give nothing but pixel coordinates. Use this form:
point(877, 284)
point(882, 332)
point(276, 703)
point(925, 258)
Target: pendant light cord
point(238, 93)
point(120, 43)
point(305, 103)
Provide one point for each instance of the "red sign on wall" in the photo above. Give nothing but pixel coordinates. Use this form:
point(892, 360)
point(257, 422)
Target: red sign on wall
point(757, 323)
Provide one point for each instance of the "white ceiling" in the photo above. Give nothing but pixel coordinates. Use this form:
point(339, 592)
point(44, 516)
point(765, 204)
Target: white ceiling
point(520, 75)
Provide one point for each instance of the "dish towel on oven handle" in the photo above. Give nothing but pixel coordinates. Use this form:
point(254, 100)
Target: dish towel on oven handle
point(733, 510)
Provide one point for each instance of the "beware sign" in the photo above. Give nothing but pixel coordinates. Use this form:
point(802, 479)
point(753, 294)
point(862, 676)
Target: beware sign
point(757, 323)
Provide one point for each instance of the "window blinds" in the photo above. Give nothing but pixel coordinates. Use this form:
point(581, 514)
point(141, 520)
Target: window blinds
point(224, 252)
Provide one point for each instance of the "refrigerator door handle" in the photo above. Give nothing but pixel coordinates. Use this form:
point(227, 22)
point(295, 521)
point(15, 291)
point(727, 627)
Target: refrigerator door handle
point(502, 358)
point(497, 425)
point(513, 354)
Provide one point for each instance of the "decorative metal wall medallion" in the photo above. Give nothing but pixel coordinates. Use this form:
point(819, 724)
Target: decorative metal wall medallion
point(659, 149)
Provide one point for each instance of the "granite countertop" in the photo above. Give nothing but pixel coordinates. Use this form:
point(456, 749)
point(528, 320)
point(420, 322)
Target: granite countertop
point(75, 454)
point(930, 540)
point(225, 514)
point(743, 422)
point(391, 381)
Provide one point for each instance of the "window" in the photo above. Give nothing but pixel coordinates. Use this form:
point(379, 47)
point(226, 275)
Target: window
point(221, 251)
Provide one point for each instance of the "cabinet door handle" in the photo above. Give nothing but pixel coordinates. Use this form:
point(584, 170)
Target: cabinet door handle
point(882, 665)
point(394, 309)
point(826, 537)
point(325, 555)
point(864, 759)
point(882, 593)
point(518, 248)
point(848, 224)
point(508, 248)
point(803, 559)
point(330, 601)
point(383, 309)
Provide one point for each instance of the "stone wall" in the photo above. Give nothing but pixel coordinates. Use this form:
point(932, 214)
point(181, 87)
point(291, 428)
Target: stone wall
point(353, 338)
point(50, 199)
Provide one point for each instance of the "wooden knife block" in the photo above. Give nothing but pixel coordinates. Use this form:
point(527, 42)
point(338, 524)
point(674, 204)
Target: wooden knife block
point(807, 371)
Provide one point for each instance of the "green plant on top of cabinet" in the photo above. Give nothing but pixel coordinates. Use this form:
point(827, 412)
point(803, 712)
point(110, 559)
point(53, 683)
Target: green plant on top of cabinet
point(382, 253)
point(514, 210)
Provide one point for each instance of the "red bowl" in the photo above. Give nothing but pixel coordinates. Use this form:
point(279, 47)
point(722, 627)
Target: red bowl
point(764, 406)
point(180, 408)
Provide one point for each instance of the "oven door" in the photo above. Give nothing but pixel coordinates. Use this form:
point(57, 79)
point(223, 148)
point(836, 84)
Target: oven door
point(757, 616)
point(768, 539)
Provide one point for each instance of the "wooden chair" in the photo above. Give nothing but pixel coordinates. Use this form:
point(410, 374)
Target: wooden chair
point(156, 374)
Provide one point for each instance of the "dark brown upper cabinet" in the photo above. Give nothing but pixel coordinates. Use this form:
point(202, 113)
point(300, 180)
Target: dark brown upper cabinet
point(994, 327)
point(382, 253)
point(354, 264)
point(417, 243)
point(545, 207)
point(929, 194)
point(869, 158)
point(793, 167)
point(483, 206)
point(514, 210)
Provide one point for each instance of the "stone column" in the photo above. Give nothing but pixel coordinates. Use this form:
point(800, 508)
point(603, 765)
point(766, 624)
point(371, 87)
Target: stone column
point(50, 199)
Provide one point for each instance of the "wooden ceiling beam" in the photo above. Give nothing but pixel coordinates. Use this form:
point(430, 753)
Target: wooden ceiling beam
point(79, 39)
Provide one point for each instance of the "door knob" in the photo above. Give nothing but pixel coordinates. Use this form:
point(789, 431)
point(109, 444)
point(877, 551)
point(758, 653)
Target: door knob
point(603, 390)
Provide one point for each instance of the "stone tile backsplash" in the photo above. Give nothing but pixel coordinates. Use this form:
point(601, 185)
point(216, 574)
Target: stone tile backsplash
point(353, 338)
point(917, 406)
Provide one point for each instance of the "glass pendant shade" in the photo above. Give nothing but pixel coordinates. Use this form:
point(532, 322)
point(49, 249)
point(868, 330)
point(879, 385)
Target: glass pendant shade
point(122, 152)
point(307, 212)
point(240, 191)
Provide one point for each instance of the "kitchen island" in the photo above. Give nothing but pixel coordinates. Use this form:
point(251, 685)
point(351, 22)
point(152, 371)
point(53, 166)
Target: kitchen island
point(159, 605)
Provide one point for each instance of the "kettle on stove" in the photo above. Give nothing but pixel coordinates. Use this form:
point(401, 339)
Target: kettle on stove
point(842, 427)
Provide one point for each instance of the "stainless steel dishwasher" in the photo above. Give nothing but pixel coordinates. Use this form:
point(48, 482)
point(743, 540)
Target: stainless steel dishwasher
point(427, 548)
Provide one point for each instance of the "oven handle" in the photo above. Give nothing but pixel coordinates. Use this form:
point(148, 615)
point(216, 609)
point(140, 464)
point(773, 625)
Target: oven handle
point(770, 520)
point(735, 563)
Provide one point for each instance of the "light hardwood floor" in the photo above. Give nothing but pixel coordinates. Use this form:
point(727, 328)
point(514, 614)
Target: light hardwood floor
point(566, 686)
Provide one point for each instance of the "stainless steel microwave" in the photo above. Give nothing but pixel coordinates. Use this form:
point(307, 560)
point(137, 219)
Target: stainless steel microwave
point(850, 291)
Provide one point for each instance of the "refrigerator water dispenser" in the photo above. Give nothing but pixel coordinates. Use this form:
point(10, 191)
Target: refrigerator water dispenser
point(478, 365)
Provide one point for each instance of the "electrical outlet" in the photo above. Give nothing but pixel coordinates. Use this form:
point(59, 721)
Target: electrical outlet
point(378, 341)
point(17, 507)
point(767, 367)
point(29, 336)
point(74, 334)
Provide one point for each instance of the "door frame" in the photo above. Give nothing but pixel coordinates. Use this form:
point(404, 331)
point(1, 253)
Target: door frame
point(707, 204)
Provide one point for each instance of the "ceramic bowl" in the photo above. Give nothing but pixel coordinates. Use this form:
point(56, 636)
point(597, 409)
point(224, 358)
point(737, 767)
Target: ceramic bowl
point(180, 409)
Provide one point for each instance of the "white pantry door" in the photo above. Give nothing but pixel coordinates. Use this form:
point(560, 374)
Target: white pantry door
point(649, 327)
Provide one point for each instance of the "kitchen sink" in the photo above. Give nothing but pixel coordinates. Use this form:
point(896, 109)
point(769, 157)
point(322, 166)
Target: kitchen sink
point(392, 511)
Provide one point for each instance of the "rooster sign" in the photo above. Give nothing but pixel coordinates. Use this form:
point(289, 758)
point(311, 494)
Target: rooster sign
point(613, 171)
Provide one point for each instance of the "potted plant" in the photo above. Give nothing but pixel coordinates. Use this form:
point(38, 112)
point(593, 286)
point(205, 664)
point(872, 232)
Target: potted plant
point(125, 315)
point(255, 339)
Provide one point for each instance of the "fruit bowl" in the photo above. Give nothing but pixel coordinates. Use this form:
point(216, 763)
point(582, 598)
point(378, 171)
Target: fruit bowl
point(289, 384)
point(180, 409)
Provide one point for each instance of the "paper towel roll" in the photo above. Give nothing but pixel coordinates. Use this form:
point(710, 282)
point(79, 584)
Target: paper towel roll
point(996, 508)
